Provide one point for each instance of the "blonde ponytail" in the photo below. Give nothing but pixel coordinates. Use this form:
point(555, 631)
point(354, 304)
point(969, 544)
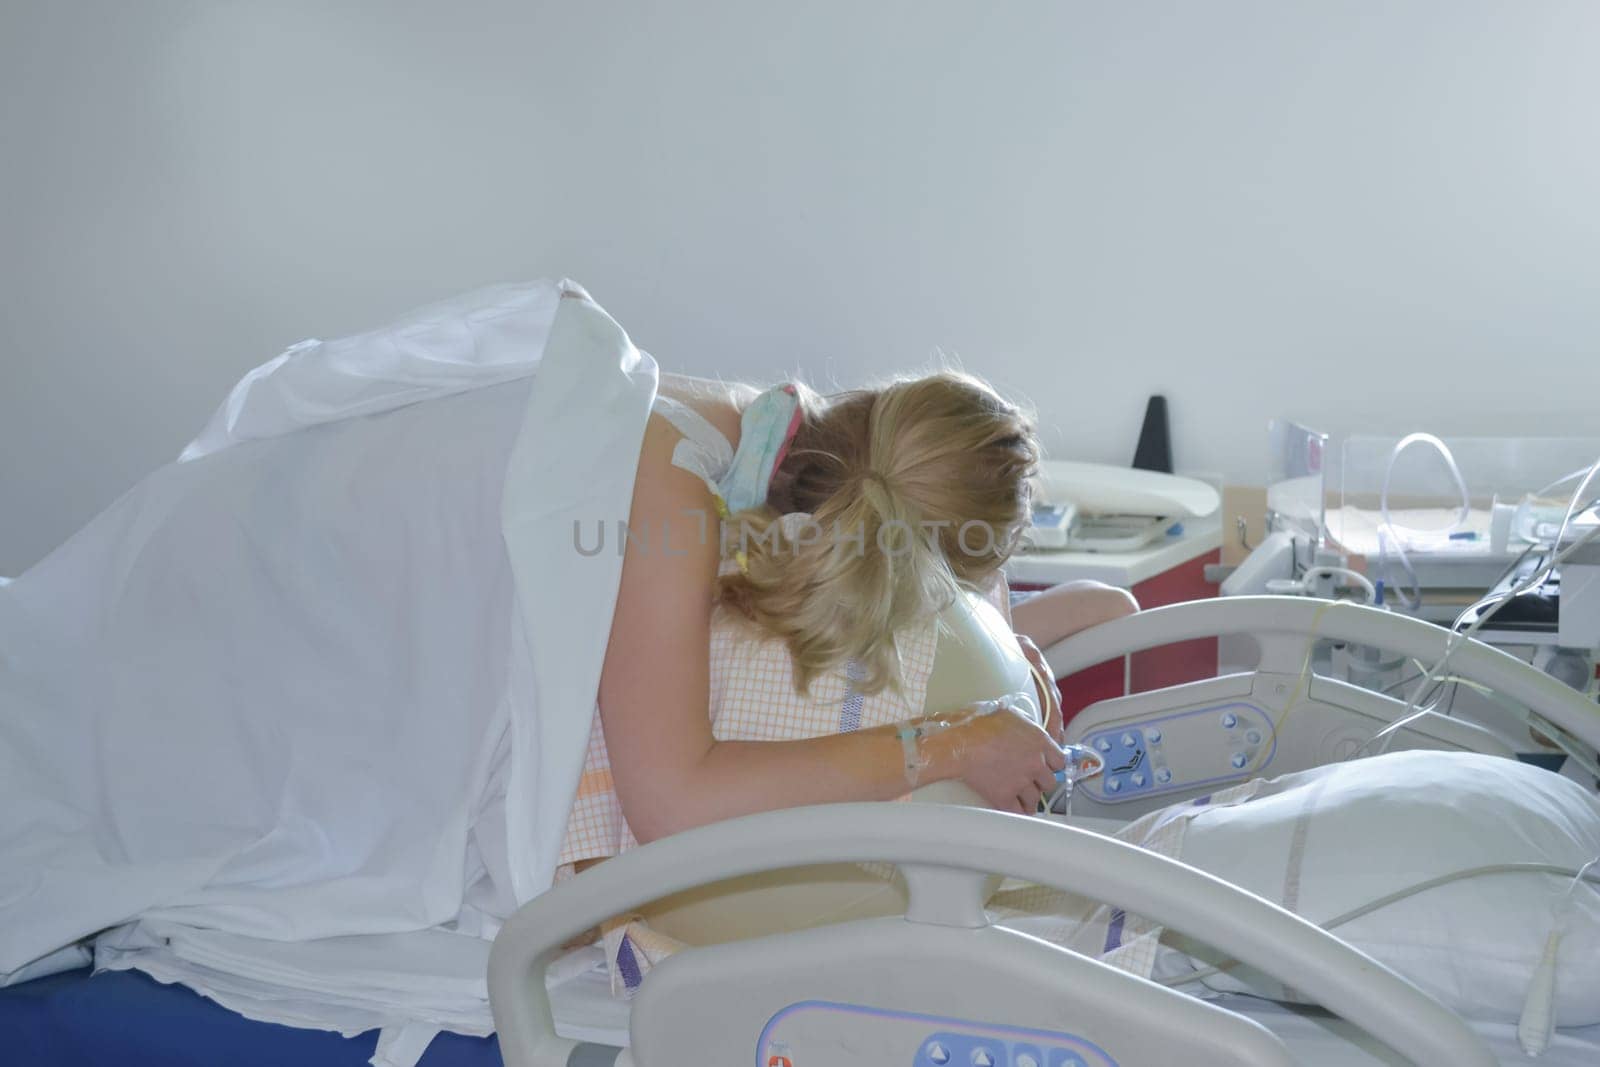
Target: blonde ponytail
point(913, 490)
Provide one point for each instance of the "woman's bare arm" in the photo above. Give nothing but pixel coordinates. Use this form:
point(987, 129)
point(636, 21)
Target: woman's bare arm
point(670, 773)
point(1062, 610)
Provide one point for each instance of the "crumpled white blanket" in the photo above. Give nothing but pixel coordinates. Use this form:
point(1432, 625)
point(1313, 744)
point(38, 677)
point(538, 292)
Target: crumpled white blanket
point(331, 675)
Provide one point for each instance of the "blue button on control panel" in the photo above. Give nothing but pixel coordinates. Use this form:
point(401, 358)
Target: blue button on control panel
point(1127, 758)
point(954, 1049)
point(804, 1033)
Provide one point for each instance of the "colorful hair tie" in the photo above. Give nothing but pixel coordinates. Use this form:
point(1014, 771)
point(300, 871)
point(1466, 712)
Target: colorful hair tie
point(766, 428)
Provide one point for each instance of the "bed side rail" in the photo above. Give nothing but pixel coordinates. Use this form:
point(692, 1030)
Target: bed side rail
point(1284, 625)
point(1245, 926)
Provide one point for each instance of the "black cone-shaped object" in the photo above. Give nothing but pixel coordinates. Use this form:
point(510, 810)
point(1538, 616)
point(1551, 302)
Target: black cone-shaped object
point(1154, 452)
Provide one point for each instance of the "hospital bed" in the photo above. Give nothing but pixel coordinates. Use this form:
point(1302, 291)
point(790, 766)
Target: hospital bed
point(942, 985)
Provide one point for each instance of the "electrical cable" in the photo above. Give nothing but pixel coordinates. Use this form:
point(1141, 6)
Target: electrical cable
point(1572, 509)
point(1486, 607)
point(1563, 480)
point(1412, 711)
point(1538, 1020)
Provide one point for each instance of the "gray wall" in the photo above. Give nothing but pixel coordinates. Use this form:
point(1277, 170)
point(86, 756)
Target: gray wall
point(1365, 215)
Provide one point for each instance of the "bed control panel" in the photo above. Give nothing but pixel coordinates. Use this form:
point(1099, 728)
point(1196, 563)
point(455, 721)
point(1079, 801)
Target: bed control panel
point(956, 1050)
point(1176, 752)
point(820, 1032)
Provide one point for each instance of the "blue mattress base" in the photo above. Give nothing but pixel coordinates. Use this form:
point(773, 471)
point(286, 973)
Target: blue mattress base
point(129, 1019)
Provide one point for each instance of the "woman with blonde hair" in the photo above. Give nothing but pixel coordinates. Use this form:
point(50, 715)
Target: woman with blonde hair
point(849, 521)
point(845, 637)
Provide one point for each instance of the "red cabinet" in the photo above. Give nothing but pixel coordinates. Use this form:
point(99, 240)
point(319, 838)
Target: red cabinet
point(1186, 661)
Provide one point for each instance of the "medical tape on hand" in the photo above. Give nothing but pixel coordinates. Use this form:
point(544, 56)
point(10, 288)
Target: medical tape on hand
point(913, 734)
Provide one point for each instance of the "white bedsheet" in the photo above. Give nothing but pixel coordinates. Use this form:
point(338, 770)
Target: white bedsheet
point(485, 337)
point(283, 689)
point(262, 692)
point(1319, 1040)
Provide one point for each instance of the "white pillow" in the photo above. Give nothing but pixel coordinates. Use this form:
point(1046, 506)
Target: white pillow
point(1368, 828)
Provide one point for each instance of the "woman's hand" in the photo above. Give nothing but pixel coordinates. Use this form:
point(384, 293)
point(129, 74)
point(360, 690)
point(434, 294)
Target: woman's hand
point(1006, 758)
point(1049, 694)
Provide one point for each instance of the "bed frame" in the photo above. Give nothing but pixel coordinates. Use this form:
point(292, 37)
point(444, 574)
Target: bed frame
point(942, 981)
